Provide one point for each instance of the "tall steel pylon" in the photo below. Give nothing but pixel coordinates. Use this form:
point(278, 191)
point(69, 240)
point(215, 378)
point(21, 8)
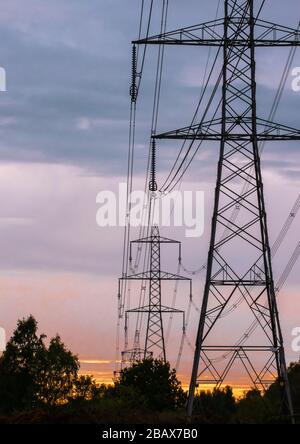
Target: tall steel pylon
point(239, 260)
point(154, 310)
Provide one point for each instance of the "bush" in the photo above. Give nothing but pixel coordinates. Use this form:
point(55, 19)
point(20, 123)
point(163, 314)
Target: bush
point(153, 384)
point(216, 407)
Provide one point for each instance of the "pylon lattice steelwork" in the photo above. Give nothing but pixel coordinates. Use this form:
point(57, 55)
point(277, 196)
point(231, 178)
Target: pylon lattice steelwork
point(239, 130)
point(154, 339)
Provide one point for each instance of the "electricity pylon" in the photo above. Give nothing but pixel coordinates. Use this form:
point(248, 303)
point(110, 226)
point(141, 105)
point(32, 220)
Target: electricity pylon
point(154, 310)
point(239, 261)
point(155, 339)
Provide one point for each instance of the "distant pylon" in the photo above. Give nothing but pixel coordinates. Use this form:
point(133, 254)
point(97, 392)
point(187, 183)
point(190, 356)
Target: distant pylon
point(239, 262)
point(154, 310)
point(136, 354)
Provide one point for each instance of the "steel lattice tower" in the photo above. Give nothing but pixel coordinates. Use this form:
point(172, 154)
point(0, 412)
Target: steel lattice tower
point(154, 310)
point(155, 331)
point(248, 277)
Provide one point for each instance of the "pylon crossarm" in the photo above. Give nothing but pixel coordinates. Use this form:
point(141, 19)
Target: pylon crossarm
point(199, 35)
point(165, 276)
point(238, 129)
point(162, 240)
point(211, 34)
point(272, 34)
point(160, 309)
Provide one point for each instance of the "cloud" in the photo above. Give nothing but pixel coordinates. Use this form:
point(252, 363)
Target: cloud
point(67, 99)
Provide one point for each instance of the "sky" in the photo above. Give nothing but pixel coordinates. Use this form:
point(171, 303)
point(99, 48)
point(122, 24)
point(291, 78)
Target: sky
point(64, 123)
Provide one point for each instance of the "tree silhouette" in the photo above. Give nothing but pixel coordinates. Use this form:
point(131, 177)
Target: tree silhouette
point(273, 397)
point(152, 383)
point(86, 389)
point(20, 366)
point(32, 375)
point(58, 374)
